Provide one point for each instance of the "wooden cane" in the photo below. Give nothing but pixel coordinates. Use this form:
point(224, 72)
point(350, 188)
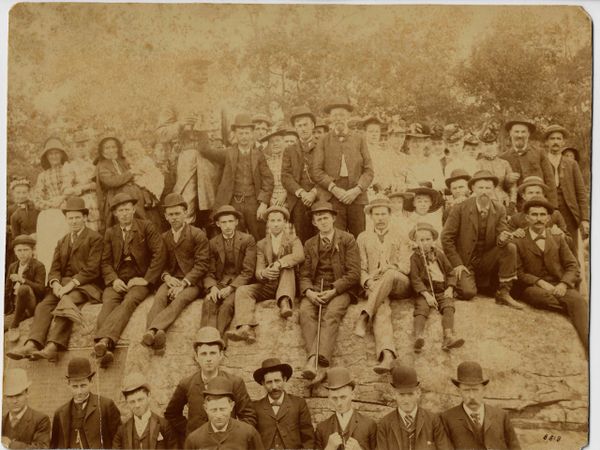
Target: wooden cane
point(318, 334)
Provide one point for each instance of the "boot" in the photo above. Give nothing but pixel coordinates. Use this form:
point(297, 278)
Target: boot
point(160, 340)
point(450, 341)
point(22, 352)
point(239, 333)
point(385, 364)
point(419, 343)
point(309, 372)
point(49, 352)
point(318, 378)
point(361, 325)
point(503, 296)
point(148, 338)
point(285, 308)
point(101, 347)
point(107, 359)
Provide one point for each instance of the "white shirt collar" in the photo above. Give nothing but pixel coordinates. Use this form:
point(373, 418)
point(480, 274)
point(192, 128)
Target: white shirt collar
point(142, 422)
point(554, 158)
point(222, 430)
point(19, 416)
point(533, 234)
point(328, 235)
point(280, 401)
point(177, 234)
point(481, 208)
point(480, 411)
point(413, 413)
point(344, 419)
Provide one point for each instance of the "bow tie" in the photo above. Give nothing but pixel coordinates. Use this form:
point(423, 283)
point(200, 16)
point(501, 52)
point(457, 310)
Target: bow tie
point(276, 403)
point(539, 237)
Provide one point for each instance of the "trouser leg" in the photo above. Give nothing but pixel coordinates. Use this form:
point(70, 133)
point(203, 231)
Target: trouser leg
point(383, 330)
point(110, 300)
point(578, 310)
point(309, 315)
point(60, 332)
point(161, 301)
point(332, 315)
point(42, 318)
point(165, 318)
point(25, 303)
point(225, 313)
point(355, 219)
point(571, 223)
point(286, 286)
point(302, 222)
point(117, 320)
point(245, 302)
point(392, 282)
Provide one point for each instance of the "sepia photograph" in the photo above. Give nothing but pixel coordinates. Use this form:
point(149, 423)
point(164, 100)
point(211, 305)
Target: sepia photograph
point(297, 226)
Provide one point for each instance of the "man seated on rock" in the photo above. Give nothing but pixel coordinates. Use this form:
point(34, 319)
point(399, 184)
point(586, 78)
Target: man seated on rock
point(74, 279)
point(409, 426)
point(346, 428)
point(283, 419)
point(385, 265)
point(145, 429)
point(476, 239)
point(221, 430)
point(187, 264)
point(329, 273)
point(548, 271)
point(277, 257)
point(208, 353)
point(132, 260)
point(22, 426)
point(232, 260)
point(473, 424)
point(457, 184)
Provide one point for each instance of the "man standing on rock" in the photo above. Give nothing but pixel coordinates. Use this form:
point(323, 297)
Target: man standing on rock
point(473, 424)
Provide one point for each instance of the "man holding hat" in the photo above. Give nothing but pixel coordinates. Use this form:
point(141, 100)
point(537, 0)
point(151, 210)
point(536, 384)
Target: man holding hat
point(330, 272)
point(132, 261)
point(22, 427)
point(187, 264)
point(295, 173)
point(283, 419)
point(342, 169)
point(73, 279)
point(192, 390)
point(409, 426)
point(548, 271)
point(87, 420)
point(473, 424)
point(346, 428)
point(385, 265)
point(232, 260)
point(278, 257)
point(145, 429)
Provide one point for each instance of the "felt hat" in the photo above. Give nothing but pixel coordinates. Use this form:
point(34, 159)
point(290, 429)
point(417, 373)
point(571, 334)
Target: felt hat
point(453, 133)
point(423, 226)
point(301, 111)
point(226, 209)
point(174, 199)
point(520, 120)
point(19, 181)
point(208, 335)
point(372, 119)
point(290, 130)
point(338, 102)
point(376, 202)
point(424, 188)
point(418, 130)
point(322, 206)
point(272, 365)
point(242, 121)
point(555, 128)
point(322, 124)
point(489, 132)
point(571, 149)
point(120, 198)
point(404, 194)
point(52, 143)
point(79, 368)
point(279, 131)
point(23, 239)
point(75, 204)
point(404, 378)
point(538, 201)
point(219, 386)
point(483, 175)
point(338, 377)
point(134, 381)
point(437, 132)
point(469, 372)
point(457, 174)
point(532, 181)
point(257, 118)
point(282, 209)
point(15, 382)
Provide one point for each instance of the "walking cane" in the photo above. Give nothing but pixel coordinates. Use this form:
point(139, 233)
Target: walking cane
point(318, 334)
point(426, 267)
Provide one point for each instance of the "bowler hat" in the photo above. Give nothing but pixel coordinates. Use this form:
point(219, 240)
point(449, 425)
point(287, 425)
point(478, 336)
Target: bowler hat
point(272, 365)
point(23, 239)
point(52, 143)
point(174, 199)
point(322, 124)
point(79, 368)
point(377, 202)
point(225, 210)
point(257, 118)
point(469, 372)
point(538, 201)
point(338, 102)
point(404, 378)
point(571, 149)
point(219, 386)
point(120, 198)
point(457, 174)
point(532, 181)
point(282, 209)
point(424, 188)
point(134, 381)
point(483, 175)
point(208, 335)
point(301, 111)
point(555, 128)
point(453, 133)
point(242, 121)
point(520, 120)
point(322, 206)
point(15, 382)
point(338, 377)
point(423, 226)
point(75, 204)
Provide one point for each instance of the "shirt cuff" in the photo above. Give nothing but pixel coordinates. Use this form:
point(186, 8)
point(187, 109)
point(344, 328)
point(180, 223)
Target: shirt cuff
point(298, 192)
point(76, 282)
point(185, 280)
point(331, 186)
point(52, 281)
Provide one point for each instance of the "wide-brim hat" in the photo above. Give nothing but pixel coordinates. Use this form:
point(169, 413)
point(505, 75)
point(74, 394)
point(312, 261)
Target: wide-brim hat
point(372, 119)
point(79, 368)
point(483, 175)
point(378, 202)
point(272, 365)
point(257, 118)
point(457, 174)
point(538, 201)
point(572, 149)
point(242, 121)
point(453, 133)
point(23, 239)
point(208, 335)
point(106, 137)
point(423, 226)
point(471, 139)
point(418, 130)
point(15, 382)
point(52, 143)
point(403, 194)
point(302, 111)
point(120, 198)
point(338, 377)
point(404, 378)
point(174, 199)
point(532, 181)
point(322, 206)
point(338, 102)
point(226, 209)
point(219, 386)
point(469, 372)
point(281, 131)
point(75, 204)
point(134, 381)
point(437, 200)
point(289, 130)
point(275, 208)
point(520, 120)
point(555, 128)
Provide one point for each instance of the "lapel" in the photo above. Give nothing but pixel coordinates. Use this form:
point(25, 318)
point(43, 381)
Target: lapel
point(474, 216)
point(269, 249)
point(65, 420)
point(490, 232)
point(93, 401)
point(64, 249)
point(466, 420)
point(185, 234)
point(78, 240)
point(550, 251)
point(285, 406)
point(313, 249)
point(237, 245)
point(267, 407)
point(128, 433)
point(254, 155)
point(419, 422)
point(353, 423)
point(234, 155)
point(220, 437)
point(23, 424)
point(396, 425)
point(533, 248)
point(153, 430)
point(118, 242)
point(488, 418)
point(220, 244)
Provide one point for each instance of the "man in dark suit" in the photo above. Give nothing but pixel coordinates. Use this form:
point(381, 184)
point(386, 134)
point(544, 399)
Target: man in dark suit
point(87, 420)
point(473, 424)
point(295, 173)
point(74, 279)
point(279, 255)
point(476, 239)
point(343, 170)
point(208, 353)
point(145, 429)
point(232, 260)
point(247, 181)
point(330, 272)
point(187, 264)
point(132, 260)
point(409, 426)
point(346, 428)
point(548, 271)
point(22, 427)
point(283, 419)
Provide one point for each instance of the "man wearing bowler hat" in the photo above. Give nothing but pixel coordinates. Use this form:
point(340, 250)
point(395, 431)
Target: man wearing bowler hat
point(330, 272)
point(191, 390)
point(342, 169)
point(247, 182)
point(409, 426)
point(145, 429)
point(22, 426)
point(232, 260)
point(278, 257)
point(87, 420)
point(283, 419)
point(132, 261)
point(296, 172)
point(262, 124)
point(473, 424)
point(187, 264)
point(458, 188)
point(346, 428)
point(73, 279)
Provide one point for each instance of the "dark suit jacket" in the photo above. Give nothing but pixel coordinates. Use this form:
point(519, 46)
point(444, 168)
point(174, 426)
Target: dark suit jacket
point(34, 275)
point(291, 171)
point(239, 436)
point(429, 432)
point(459, 235)
point(419, 279)
point(360, 427)
point(190, 392)
point(245, 262)
point(32, 431)
point(498, 431)
point(557, 259)
point(519, 220)
point(85, 259)
point(345, 261)
point(573, 189)
point(24, 220)
point(327, 161)
point(99, 410)
point(190, 253)
point(291, 253)
point(147, 249)
point(293, 422)
point(157, 425)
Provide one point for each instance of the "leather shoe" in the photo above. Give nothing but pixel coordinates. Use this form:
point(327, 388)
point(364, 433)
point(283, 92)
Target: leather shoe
point(285, 310)
point(148, 338)
point(504, 298)
point(238, 334)
point(24, 351)
point(309, 372)
point(101, 347)
point(385, 364)
point(49, 352)
point(107, 359)
point(160, 340)
point(419, 343)
point(250, 335)
point(451, 342)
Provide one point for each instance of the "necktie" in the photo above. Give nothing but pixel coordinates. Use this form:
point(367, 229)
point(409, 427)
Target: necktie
point(483, 213)
point(475, 419)
point(408, 419)
point(126, 241)
point(228, 244)
point(275, 405)
point(326, 242)
point(73, 237)
point(14, 421)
